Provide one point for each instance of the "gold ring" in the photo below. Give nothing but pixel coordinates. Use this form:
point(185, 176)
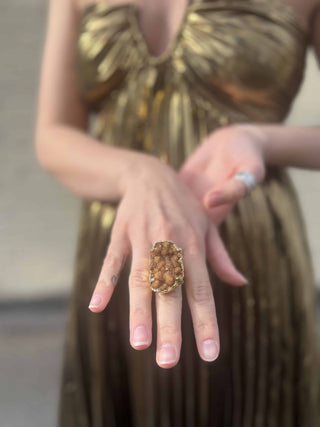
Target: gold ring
point(166, 266)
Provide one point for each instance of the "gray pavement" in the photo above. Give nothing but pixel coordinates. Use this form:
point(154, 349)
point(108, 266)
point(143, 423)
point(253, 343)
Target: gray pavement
point(31, 343)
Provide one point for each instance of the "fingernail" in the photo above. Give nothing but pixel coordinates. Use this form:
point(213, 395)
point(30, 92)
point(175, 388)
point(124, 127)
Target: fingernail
point(95, 301)
point(246, 281)
point(140, 336)
point(167, 354)
point(210, 350)
point(214, 199)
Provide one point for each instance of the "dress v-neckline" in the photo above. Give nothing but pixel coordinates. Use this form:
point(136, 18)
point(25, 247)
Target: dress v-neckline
point(135, 25)
point(174, 42)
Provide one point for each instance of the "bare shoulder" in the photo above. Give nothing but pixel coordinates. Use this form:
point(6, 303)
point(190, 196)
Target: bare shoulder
point(59, 98)
point(315, 29)
point(303, 10)
point(79, 5)
point(304, 7)
point(308, 13)
point(315, 11)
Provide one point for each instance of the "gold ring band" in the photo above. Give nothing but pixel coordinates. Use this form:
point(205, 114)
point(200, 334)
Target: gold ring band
point(166, 266)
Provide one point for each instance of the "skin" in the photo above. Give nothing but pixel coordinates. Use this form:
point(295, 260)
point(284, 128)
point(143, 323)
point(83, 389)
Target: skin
point(188, 215)
point(209, 171)
point(164, 209)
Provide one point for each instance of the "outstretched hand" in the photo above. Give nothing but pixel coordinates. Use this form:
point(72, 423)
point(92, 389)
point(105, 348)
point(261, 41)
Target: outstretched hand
point(157, 205)
point(209, 171)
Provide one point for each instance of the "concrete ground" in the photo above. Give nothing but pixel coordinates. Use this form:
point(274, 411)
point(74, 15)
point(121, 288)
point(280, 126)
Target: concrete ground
point(31, 342)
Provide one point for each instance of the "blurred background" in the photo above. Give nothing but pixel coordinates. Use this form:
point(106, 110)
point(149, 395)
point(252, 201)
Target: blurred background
point(39, 221)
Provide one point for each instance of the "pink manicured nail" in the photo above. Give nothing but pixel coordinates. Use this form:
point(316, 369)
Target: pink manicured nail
point(246, 281)
point(95, 301)
point(167, 354)
point(214, 199)
point(140, 336)
point(210, 350)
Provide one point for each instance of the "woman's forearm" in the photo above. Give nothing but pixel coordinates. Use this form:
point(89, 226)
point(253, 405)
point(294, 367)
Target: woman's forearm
point(88, 168)
point(288, 145)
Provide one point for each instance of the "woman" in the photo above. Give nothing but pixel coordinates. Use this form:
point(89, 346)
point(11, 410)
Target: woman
point(184, 97)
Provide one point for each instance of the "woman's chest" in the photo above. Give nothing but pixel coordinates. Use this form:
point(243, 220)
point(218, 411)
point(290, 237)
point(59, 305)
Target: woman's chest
point(235, 50)
point(159, 22)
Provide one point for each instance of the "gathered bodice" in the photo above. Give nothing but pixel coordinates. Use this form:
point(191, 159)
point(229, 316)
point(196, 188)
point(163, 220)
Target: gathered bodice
point(231, 61)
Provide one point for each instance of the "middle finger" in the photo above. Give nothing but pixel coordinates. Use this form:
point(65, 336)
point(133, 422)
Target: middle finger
point(168, 308)
point(200, 299)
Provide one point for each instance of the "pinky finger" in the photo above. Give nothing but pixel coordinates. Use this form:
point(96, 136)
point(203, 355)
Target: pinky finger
point(112, 265)
point(220, 260)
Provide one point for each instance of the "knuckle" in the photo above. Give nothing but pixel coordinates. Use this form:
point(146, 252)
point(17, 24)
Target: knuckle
point(182, 226)
point(102, 283)
point(138, 313)
point(205, 328)
point(170, 298)
point(105, 286)
point(194, 243)
point(118, 227)
point(119, 230)
point(139, 278)
point(202, 294)
point(164, 230)
point(111, 261)
point(137, 227)
point(168, 330)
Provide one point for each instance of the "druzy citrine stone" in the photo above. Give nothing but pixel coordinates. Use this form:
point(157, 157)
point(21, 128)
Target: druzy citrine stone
point(166, 266)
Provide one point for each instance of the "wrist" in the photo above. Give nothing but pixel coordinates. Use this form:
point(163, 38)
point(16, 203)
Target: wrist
point(258, 135)
point(138, 167)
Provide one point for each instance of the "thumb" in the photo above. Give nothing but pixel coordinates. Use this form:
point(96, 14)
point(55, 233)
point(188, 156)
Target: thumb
point(196, 161)
point(234, 188)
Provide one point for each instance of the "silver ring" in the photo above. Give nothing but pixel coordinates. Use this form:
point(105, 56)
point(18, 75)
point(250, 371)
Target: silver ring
point(248, 179)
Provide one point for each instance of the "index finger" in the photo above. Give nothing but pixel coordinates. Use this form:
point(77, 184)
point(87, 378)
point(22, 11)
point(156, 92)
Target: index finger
point(113, 263)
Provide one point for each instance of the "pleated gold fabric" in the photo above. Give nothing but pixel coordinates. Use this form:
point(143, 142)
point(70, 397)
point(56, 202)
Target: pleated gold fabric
point(232, 61)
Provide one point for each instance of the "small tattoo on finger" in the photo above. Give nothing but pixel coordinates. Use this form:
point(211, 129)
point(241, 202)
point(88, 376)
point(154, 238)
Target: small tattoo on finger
point(114, 280)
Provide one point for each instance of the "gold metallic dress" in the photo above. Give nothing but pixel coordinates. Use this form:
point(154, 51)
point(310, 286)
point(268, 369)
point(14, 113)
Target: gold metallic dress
point(232, 61)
